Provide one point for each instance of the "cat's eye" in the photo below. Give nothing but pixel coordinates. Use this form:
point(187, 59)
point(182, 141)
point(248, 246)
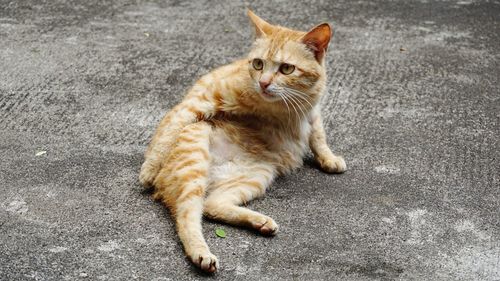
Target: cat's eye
point(258, 64)
point(286, 68)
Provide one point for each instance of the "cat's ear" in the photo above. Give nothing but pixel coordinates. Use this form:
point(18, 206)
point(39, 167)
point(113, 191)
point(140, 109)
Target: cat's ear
point(317, 40)
point(262, 28)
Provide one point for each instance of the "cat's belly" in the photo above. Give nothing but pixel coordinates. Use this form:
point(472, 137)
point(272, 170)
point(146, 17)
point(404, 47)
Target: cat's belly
point(228, 158)
point(222, 149)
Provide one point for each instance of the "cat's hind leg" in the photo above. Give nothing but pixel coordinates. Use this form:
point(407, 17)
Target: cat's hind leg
point(226, 196)
point(181, 185)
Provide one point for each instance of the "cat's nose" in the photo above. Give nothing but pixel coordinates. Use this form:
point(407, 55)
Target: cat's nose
point(264, 84)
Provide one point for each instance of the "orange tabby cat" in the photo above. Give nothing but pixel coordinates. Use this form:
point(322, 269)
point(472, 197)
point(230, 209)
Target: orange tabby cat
point(238, 128)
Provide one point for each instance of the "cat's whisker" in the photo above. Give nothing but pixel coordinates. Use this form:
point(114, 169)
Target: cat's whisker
point(292, 104)
point(285, 101)
point(292, 101)
point(299, 94)
point(297, 102)
point(304, 99)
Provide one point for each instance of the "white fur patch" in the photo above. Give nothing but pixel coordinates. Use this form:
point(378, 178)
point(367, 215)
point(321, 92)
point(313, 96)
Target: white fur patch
point(223, 153)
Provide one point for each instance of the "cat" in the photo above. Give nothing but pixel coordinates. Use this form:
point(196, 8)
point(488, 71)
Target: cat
point(239, 127)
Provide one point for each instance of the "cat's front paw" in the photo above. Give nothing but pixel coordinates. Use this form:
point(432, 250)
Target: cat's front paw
point(206, 261)
point(334, 164)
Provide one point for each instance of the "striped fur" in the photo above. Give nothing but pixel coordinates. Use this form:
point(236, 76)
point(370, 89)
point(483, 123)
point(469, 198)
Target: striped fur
point(223, 145)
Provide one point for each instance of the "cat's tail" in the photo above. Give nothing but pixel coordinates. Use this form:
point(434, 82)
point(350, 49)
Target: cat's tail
point(181, 185)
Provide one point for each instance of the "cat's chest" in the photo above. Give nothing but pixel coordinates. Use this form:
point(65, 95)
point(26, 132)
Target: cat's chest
point(232, 139)
point(291, 139)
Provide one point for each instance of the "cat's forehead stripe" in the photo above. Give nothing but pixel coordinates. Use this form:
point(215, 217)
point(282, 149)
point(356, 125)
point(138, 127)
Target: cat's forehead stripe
point(278, 57)
point(277, 41)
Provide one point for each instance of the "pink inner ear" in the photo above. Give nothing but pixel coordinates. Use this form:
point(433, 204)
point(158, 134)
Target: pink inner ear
point(317, 40)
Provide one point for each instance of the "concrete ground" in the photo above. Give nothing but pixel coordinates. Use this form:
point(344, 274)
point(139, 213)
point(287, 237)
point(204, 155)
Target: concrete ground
point(413, 105)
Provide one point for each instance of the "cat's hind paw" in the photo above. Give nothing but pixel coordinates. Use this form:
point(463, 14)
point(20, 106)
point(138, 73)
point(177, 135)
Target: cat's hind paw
point(266, 226)
point(206, 261)
point(335, 164)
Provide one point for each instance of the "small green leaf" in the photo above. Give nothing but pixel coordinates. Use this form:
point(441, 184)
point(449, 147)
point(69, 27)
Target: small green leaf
point(220, 232)
point(40, 153)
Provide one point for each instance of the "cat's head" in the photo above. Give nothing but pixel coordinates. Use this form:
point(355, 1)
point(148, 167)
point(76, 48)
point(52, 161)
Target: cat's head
point(288, 65)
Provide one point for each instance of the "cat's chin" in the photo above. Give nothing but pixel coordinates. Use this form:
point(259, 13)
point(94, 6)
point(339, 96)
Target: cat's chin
point(270, 97)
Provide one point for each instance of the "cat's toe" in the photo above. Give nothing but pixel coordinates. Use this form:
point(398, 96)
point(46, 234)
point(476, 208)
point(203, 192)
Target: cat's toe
point(206, 261)
point(267, 226)
point(334, 164)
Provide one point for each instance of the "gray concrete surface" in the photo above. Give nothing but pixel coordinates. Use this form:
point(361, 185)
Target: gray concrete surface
point(413, 105)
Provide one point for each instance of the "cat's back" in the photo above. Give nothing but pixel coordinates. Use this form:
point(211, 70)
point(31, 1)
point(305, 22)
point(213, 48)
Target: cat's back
point(224, 74)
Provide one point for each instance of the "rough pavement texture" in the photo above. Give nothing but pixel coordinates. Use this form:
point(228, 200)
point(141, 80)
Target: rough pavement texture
point(413, 105)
